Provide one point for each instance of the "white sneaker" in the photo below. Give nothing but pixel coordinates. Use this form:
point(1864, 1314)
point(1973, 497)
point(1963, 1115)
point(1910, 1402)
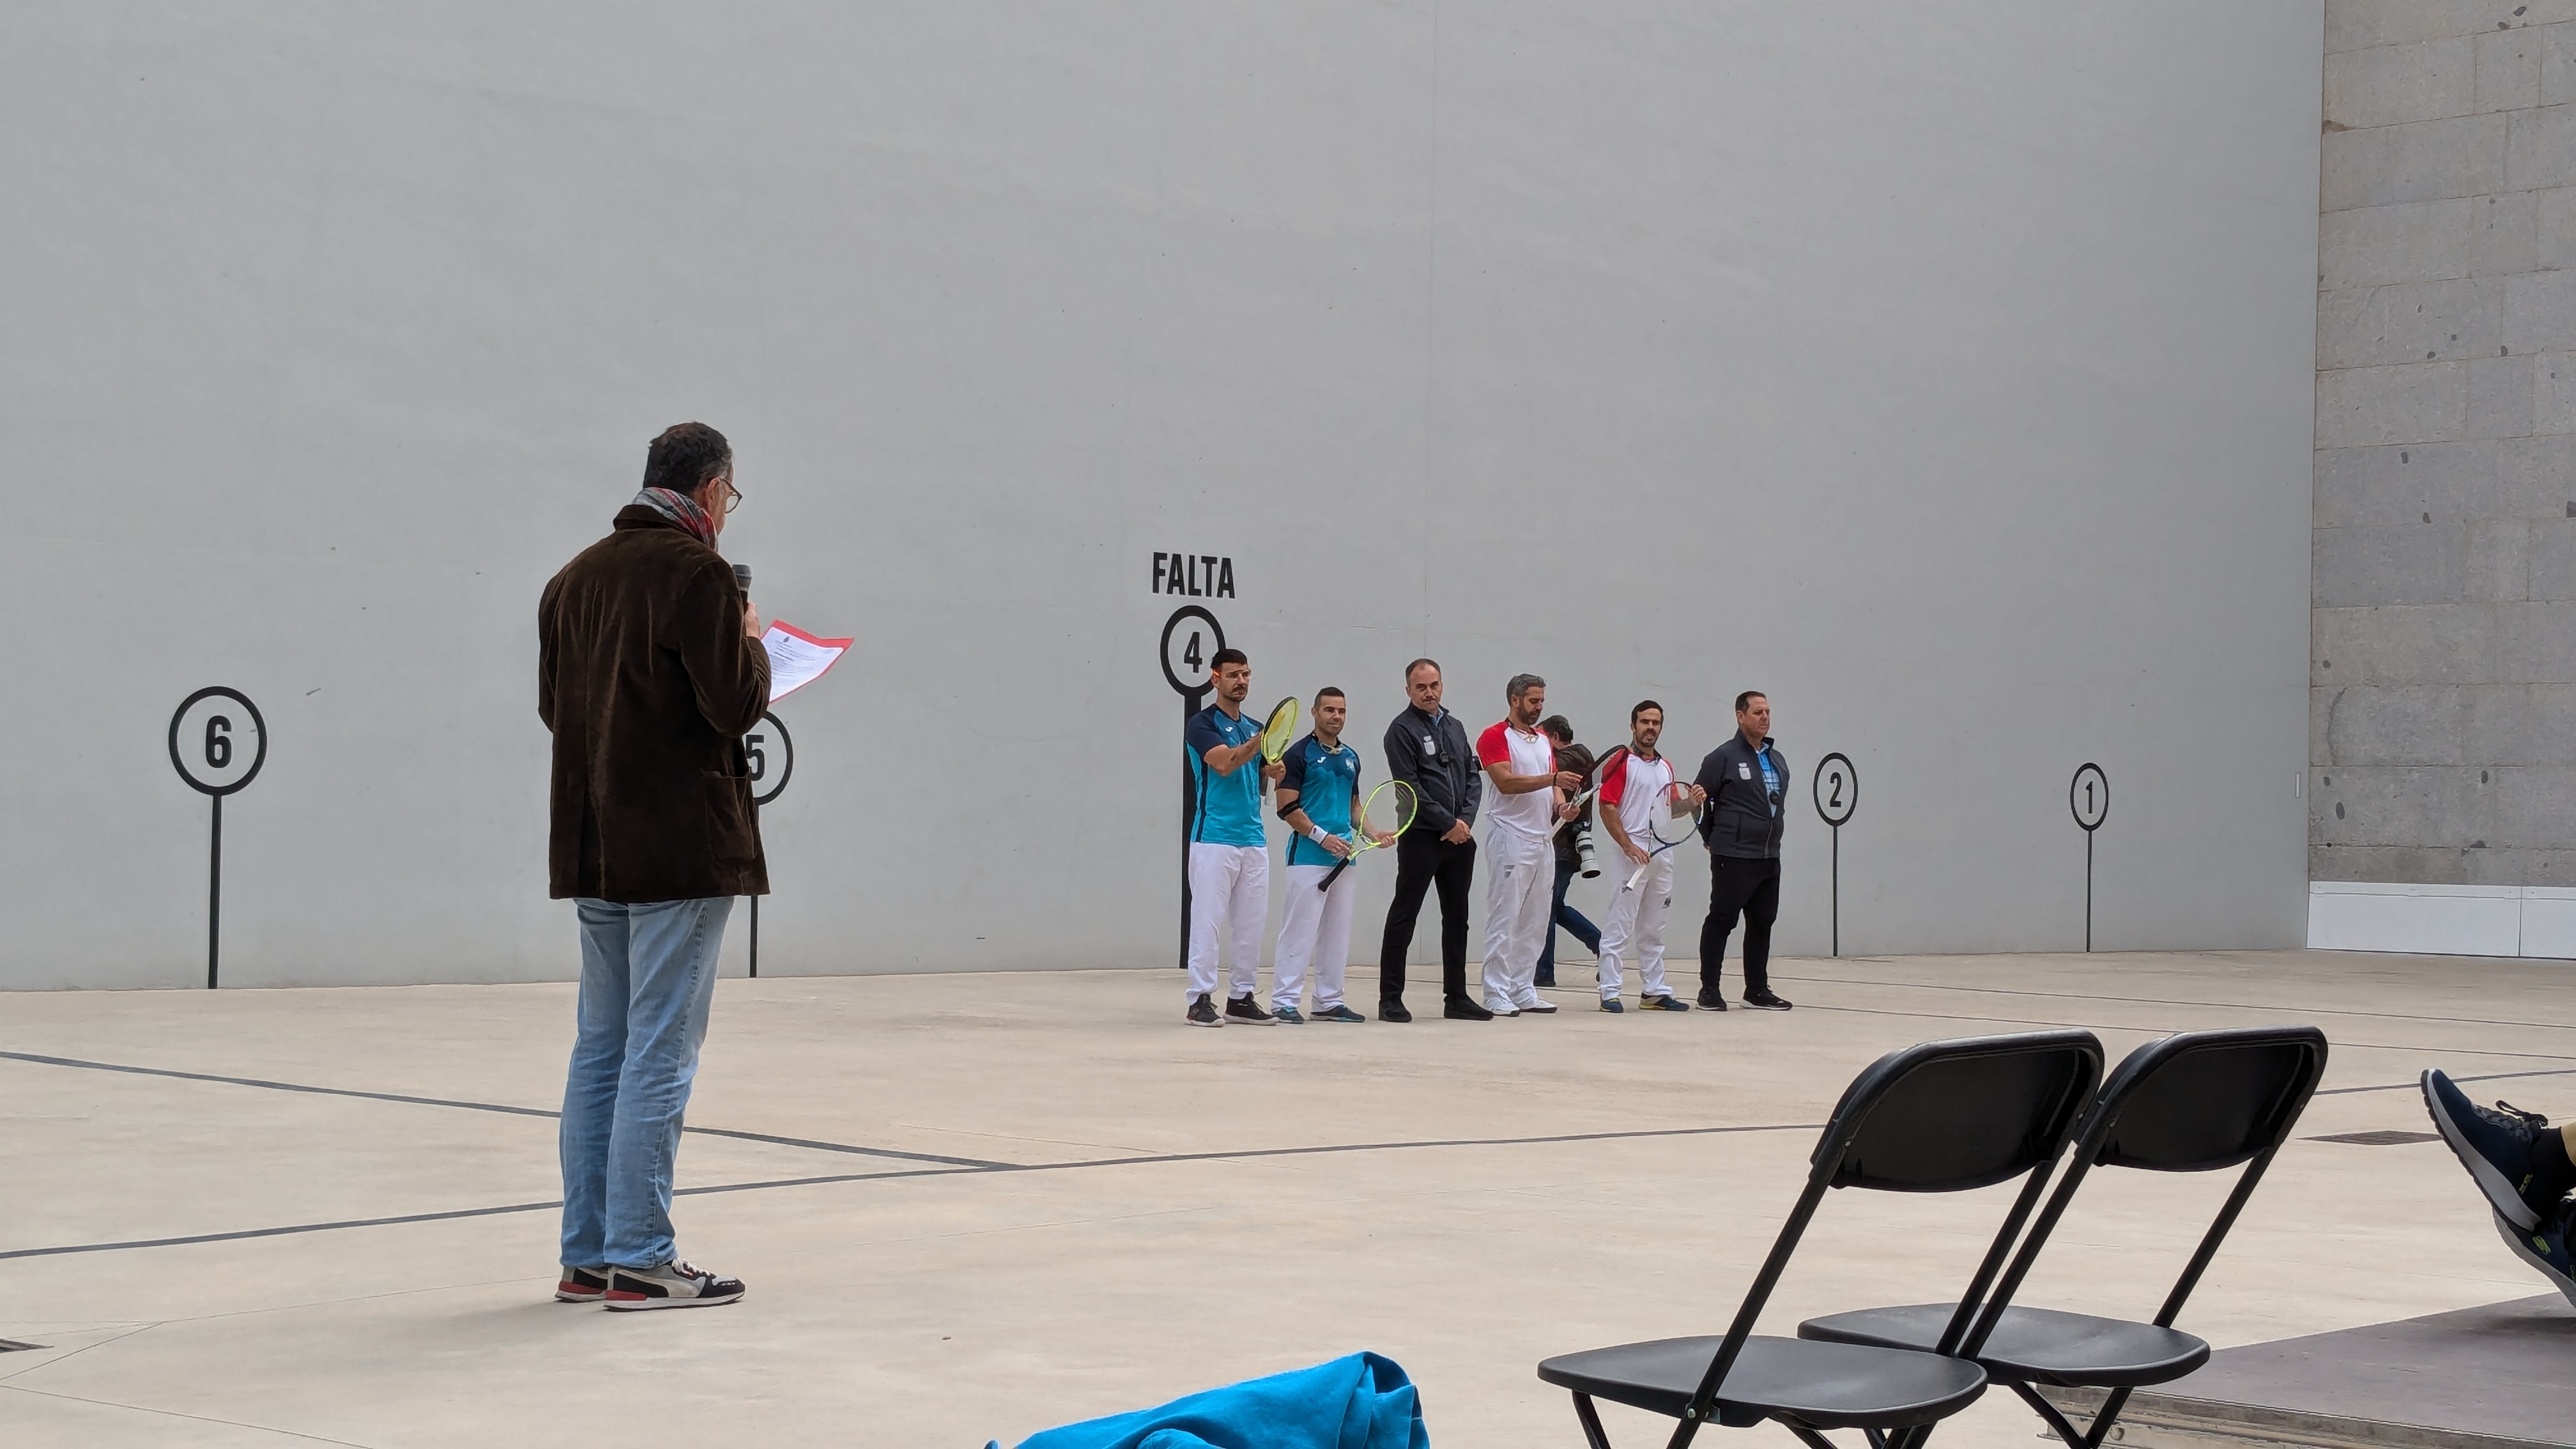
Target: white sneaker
point(1539, 1007)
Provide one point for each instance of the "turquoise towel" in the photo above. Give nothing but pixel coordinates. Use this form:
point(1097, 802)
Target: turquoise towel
point(1359, 1402)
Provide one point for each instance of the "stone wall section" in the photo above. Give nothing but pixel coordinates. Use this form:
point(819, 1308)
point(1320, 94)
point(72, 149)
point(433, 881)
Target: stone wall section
point(2442, 717)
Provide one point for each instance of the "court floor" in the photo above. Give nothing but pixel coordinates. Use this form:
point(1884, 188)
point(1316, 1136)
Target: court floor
point(976, 1206)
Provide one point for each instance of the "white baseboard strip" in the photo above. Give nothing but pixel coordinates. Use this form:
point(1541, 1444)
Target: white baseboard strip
point(2438, 920)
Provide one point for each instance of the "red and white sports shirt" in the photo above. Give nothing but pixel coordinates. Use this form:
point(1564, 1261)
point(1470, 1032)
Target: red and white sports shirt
point(1636, 790)
point(1527, 752)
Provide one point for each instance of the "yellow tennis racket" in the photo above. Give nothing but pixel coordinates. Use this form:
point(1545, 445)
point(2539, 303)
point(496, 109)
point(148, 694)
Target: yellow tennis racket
point(1277, 734)
point(1387, 811)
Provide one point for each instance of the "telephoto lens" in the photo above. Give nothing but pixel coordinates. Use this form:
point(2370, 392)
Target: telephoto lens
point(1588, 867)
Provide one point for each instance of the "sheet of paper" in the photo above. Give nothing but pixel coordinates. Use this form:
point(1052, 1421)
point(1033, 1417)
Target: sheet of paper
point(796, 658)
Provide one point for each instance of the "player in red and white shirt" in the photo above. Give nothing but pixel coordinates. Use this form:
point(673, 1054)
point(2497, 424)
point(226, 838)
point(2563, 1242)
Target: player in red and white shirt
point(1631, 794)
point(1520, 877)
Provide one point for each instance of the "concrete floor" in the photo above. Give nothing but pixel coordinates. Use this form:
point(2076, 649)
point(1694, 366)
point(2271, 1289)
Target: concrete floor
point(1111, 1232)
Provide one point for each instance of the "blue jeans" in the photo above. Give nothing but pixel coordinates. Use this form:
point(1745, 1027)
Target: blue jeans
point(648, 977)
point(1572, 920)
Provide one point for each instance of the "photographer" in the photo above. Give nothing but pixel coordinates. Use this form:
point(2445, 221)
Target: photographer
point(1573, 853)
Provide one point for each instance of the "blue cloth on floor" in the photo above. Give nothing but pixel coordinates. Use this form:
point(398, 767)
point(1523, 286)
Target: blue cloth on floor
point(1359, 1402)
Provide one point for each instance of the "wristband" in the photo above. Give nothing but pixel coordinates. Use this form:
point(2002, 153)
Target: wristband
point(1315, 833)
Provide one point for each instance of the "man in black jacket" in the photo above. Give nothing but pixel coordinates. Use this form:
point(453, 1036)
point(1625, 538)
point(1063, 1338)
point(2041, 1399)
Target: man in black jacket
point(1747, 783)
point(1427, 748)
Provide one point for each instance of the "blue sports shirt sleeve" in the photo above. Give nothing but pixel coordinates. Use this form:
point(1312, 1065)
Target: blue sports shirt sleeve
point(1201, 734)
point(1294, 762)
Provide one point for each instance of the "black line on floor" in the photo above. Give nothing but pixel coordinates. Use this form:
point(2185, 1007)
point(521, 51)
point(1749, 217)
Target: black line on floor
point(484, 1107)
point(980, 1171)
point(2163, 1001)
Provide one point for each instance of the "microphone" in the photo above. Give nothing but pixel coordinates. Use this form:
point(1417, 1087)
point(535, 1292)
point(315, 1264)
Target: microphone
point(742, 576)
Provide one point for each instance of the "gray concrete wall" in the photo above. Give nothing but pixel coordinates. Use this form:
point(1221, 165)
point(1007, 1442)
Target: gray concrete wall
point(2443, 714)
point(1946, 371)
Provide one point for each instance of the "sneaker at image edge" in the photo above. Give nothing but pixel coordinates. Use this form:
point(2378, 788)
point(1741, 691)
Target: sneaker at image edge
point(675, 1284)
point(580, 1285)
point(2493, 1144)
point(2545, 1246)
point(1203, 1014)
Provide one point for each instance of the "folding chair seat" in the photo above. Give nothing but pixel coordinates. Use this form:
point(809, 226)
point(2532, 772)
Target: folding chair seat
point(2197, 1101)
point(1940, 1117)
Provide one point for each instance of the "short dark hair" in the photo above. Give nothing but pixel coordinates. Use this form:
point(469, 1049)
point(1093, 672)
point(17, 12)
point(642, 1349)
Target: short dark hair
point(1328, 692)
point(685, 456)
point(1640, 707)
point(1575, 758)
point(1745, 700)
point(1522, 684)
point(1226, 656)
point(1417, 664)
point(1556, 727)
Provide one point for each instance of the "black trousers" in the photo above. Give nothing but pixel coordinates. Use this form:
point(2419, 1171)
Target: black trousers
point(1749, 887)
point(1421, 861)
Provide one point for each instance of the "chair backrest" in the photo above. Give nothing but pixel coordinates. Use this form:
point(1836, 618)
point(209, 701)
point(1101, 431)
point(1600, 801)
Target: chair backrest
point(1944, 1116)
point(2196, 1101)
point(1947, 1116)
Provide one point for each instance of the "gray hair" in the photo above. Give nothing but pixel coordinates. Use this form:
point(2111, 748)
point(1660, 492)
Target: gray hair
point(1522, 684)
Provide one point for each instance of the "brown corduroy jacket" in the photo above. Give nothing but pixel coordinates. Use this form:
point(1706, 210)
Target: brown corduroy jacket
point(645, 678)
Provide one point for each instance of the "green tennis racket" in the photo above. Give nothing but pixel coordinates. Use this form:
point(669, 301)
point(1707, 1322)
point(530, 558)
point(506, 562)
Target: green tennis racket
point(1384, 815)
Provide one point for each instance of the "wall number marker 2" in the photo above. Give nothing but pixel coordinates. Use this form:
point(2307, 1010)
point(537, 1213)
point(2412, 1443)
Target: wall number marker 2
point(217, 744)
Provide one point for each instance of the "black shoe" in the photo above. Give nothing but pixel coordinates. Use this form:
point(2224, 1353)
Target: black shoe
point(1548, 980)
point(1711, 1001)
point(1765, 1001)
point(1465, 1011)
point(1245, 1009)
point(1391, 1009)
point(1202, 1013)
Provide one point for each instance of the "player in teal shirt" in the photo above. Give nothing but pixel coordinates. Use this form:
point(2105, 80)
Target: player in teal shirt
point(1229, 850)
point(1318, 794)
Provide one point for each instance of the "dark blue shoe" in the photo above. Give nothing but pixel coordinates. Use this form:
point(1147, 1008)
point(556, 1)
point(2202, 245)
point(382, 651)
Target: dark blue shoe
point(1662, 1003)
point(1339, 1013)
point(2545, 1246)
point(1611, 1004)
point(1287, 1016)
point(2493, 1144)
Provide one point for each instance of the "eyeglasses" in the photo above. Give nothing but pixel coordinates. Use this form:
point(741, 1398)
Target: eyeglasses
point(733, 495)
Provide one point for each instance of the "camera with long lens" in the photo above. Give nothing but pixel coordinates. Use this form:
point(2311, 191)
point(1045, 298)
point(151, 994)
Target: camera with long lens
point(1585, 864)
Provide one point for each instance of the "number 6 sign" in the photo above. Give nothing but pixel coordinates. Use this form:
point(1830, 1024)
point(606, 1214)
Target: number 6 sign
point(208, 749)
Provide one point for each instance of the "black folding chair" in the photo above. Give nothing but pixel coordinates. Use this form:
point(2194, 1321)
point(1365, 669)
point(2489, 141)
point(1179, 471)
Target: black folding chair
point(1941, 1117)
point(2197, 1101)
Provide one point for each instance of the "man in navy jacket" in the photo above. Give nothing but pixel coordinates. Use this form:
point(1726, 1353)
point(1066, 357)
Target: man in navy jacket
point(1748, 784)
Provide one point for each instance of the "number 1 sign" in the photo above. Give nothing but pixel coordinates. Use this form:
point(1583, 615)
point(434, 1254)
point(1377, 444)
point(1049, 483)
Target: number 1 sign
point(2088, 795)
point(217, 744)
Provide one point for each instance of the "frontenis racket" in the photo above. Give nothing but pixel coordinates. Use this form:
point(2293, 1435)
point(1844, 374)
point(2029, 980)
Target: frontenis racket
point(1670, 825)
point(1388, 813)
point(1602, 774)
point(1277, 734)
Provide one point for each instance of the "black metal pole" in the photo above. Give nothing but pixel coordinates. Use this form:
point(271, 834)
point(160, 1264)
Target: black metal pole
point(1838, 890)
point(755, 936)
point(215, 895)
point(1189, 802)
point(2088, 890)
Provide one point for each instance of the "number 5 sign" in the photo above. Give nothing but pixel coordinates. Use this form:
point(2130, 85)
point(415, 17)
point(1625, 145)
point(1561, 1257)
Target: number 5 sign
point(217, 744)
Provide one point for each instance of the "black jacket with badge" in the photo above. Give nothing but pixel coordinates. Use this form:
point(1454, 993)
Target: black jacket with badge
point(1433, 756)
point(1745, 817)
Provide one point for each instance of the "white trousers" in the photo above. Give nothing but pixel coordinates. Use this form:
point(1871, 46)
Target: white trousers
point(1636, 920)
point(1520, 893)
point(1314, 930)
point(1229, 897)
